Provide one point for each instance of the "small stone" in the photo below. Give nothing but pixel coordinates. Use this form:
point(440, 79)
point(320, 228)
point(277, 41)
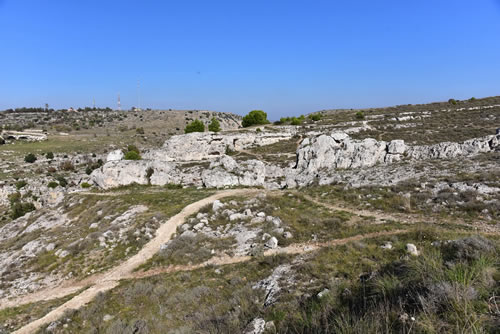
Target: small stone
point(261, 214)
point(198, 226)
point(50, 247)
point(94, 225)
point(323, 293)
point(107, 317)
point(412, 249)
point(217, 205)
point(287, 235)
point(387, 245)
point(257, 326)
point(272, 243)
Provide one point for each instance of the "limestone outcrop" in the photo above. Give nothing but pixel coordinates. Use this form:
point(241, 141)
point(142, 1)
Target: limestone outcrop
point(208, 145)
point(320, 158)
point(24, 135)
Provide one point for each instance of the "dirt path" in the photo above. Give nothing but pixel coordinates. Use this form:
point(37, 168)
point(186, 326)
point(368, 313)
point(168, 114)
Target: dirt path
point(292, 249)
point(110, 279)
point(380, 217)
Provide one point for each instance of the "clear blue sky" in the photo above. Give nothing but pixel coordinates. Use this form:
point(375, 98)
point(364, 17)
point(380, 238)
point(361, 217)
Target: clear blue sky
point(285, 57)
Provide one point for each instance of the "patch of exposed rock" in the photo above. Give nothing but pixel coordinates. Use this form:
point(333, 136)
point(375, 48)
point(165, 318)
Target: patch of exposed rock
point(320, 158)
point(207, 145)
point(272, 285)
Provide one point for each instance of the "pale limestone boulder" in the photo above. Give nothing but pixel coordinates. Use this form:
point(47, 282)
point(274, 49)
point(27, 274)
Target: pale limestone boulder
point(115, 155)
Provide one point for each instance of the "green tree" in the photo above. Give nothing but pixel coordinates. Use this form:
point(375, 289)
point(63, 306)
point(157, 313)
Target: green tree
point(214, 125)
point(255, 117)
point(195, 126)
point(296, 121)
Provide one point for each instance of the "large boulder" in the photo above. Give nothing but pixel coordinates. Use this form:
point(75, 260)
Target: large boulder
point(115, 155)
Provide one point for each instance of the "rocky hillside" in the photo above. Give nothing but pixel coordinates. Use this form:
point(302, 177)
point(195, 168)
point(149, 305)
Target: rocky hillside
point(355, 221)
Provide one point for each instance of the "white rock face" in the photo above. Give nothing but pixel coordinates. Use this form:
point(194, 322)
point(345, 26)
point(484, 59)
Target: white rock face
point(447, 150)
point(396, 147)
point(208, 145)
point(320, 156)
point(115, 155)
point(339, 151)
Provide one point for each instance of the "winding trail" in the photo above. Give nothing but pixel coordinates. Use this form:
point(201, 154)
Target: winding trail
point(292, 249)
point(106, 281)
point(110, 279)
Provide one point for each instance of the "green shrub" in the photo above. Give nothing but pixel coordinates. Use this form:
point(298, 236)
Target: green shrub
point(85, 185)
point(214, 125)
point(49, 155)
point(195, 126)
point(258, 130)
point(255, 117)
point(284, 120)
point(14, 198)
point(67, 166)
point(360, 115)
point(296, 121)
point(30, 158)
point(315, 117)
point(52, 184)
point(452, 101)
point(133, 148)
point(62, 181)
point(19, 209)
point(139, 131)
point(132, 155)
point(20, 184)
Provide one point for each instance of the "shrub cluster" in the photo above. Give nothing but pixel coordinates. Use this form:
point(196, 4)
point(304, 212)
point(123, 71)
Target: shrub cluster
point(195, 126)
point(255, 117)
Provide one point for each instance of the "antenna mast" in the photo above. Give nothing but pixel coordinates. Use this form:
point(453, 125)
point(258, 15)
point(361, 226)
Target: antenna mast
point(119, 103)
point(138, 95)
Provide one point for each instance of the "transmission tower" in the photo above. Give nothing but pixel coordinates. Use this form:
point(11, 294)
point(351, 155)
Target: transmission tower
point(119, 103)
point(138, 95)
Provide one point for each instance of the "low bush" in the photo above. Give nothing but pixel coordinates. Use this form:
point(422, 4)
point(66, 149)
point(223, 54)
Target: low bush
point(132, 155)
point(52, 184)
point(62, 181)
point(85, 185)
point(30, 158)
point(360, 115)
point(66, 166)
point(19, 209)
point(21, 184)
